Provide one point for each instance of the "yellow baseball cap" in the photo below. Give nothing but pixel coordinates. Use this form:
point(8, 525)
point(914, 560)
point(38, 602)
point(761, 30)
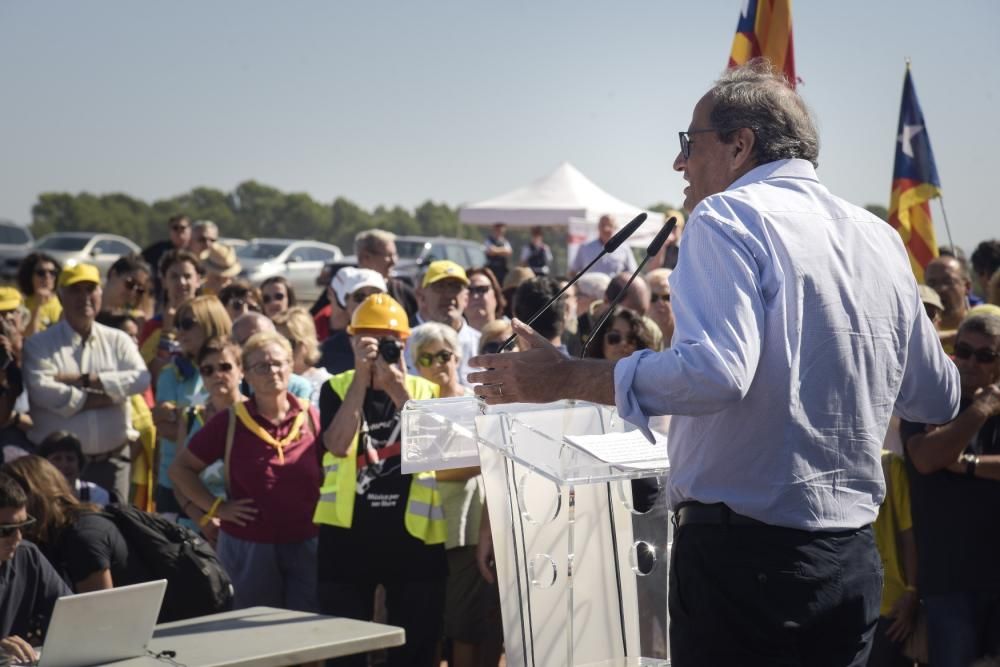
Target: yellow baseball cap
point(79, 273)
point(442, 270)
point(10, 298)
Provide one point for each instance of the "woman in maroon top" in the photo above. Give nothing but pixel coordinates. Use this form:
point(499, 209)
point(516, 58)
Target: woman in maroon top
point(267, 538)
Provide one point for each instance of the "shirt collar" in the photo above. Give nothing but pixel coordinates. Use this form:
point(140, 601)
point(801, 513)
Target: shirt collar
point(791, 168)
point(294, 408)
point(75, 338)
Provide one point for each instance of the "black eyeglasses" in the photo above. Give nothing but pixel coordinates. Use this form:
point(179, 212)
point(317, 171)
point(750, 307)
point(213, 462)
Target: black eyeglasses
point(268, 298)
point(613, 337)
point(187, 324)
point(208, 370)
point(427, 359)
point(479, 290)
point(135, 286)
point(686, 142)
point(983, 355)
point(654, 297)
point(8, 529)
point(45, 273)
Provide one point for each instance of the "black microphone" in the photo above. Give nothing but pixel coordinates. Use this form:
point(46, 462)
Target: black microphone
point(613, 243)
point(651, 251)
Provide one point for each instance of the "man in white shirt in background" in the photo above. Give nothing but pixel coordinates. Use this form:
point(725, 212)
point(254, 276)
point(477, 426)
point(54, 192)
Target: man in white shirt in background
point(443, 297)
point(798, 331)
point(80, 375)
point(622, 259)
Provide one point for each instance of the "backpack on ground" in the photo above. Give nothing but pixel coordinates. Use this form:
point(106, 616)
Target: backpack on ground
point(196, 582)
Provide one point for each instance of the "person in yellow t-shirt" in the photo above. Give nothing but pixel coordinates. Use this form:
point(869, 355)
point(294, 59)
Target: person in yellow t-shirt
point(36, 278)
point(898, 549)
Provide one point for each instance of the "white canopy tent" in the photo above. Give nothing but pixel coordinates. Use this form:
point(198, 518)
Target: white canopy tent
point(564, 197)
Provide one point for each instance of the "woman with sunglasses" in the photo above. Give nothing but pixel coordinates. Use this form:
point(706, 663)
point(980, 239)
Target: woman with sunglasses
point(239, 298)
point(486, 300)
point(221, 373)
point(297, 325)
point(278, 295)
point(472, 608)
point(127, 286)
point(622, 334)
point(84, 546)
point(179, 383)
point(36, 278)
point(659, 303)
point(268, 446)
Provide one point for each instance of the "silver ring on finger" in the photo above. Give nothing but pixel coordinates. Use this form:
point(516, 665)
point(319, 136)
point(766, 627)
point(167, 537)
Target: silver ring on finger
point(499, 390)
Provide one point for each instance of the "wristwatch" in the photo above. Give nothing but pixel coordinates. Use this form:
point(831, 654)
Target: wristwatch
point(971, 460)
point(85, 380)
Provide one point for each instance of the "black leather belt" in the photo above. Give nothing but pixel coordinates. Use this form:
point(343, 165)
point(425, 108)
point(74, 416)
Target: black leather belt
point(717, 514)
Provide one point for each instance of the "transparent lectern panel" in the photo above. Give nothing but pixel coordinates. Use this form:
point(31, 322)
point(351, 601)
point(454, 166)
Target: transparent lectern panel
point(439, 434)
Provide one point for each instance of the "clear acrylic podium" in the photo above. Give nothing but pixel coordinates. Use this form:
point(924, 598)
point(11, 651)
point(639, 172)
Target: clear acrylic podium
point(581, 545)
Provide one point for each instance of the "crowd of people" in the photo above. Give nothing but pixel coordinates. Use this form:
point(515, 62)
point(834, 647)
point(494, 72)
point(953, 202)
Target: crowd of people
point(273, 428)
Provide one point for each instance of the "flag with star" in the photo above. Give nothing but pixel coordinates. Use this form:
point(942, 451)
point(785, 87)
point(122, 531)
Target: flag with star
point(765, 29)
point(914, 182)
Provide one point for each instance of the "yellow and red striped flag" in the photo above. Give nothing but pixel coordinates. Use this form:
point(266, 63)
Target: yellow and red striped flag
point(914, 182)
point(765, 29)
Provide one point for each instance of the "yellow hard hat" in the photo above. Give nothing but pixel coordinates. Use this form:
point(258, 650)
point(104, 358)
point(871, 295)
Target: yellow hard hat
point(380, 311)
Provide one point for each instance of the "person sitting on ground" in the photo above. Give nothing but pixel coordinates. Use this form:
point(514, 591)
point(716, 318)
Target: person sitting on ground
point(63, 450)
point(278, 295)
point(30, 585)
point(472, 606)
point(36, 278)
point(377, 525)
point(296, 324)
point(82, 544)
point(267, 538)
point(486, 301)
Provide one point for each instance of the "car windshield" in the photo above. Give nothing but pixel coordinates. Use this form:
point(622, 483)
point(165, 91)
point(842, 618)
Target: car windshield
point(261, 250)
point(409, 249)
point(14, 235)
point(63, 243)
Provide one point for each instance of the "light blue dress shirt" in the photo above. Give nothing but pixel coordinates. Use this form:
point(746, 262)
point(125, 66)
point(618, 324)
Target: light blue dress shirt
point(799, 330)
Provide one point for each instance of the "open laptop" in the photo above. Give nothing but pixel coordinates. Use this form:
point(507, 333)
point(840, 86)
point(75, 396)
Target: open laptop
point(103, 626)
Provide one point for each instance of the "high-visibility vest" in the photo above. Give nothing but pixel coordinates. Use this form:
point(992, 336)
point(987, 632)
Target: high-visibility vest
point(424, 516)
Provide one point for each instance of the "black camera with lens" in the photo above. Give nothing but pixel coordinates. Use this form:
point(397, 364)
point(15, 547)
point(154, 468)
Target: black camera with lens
point(390, 349)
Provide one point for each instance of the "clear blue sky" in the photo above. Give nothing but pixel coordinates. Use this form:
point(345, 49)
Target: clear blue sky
point(460, 100)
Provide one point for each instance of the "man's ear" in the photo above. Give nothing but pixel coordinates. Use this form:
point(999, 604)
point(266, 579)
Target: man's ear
point(741, 148)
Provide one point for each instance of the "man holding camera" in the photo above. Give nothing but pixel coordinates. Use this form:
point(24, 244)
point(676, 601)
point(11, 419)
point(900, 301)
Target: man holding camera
point(377, 525)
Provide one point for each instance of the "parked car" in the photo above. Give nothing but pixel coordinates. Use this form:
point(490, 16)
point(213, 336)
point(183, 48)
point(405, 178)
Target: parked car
point(98, 249)
point(415, 252)
point(299, 261)
point(15, 242)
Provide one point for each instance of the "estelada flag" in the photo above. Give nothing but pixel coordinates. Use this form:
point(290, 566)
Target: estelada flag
point(765, 29)
point(914, 182)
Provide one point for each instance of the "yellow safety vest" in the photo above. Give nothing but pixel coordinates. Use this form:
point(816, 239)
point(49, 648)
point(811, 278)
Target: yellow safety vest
point(424, 517)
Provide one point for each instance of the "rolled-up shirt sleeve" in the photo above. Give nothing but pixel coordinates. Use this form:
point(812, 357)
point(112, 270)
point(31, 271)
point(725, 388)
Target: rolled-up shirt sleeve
point(719, 315)
point(43, 389)
point(131, 377)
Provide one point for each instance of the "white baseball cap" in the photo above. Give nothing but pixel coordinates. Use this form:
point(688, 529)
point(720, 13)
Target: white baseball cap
point(349, 280)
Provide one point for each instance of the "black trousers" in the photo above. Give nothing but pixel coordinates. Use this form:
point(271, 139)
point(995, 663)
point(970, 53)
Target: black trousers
point(416, 606)
point(763, 595)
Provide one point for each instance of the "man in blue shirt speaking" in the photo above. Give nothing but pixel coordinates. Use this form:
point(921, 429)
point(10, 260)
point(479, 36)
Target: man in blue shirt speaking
point(799, 330)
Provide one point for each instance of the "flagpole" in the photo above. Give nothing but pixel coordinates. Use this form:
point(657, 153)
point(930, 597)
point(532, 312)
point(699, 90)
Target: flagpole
point(947, 227)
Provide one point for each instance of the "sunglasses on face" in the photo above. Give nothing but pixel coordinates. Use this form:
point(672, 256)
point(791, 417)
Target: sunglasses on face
point(135, 286)
point(46, 273)
point(659, 297)
point(8, 529)
point(983, 355)
point(187, 324)
point(479, 290)
point(268, 298)
point(208, 370)
point(427, 359)
point(614, 338)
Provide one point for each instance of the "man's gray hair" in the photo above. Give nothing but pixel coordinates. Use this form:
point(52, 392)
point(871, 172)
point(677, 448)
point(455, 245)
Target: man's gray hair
point(593, 285)
point(370, 239)
point(433, 332)
point(204, 225)
point(755, 96)
point(984, 324)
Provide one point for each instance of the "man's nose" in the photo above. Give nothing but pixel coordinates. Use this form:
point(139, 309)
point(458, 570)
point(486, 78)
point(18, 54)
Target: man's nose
point(679, 162)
